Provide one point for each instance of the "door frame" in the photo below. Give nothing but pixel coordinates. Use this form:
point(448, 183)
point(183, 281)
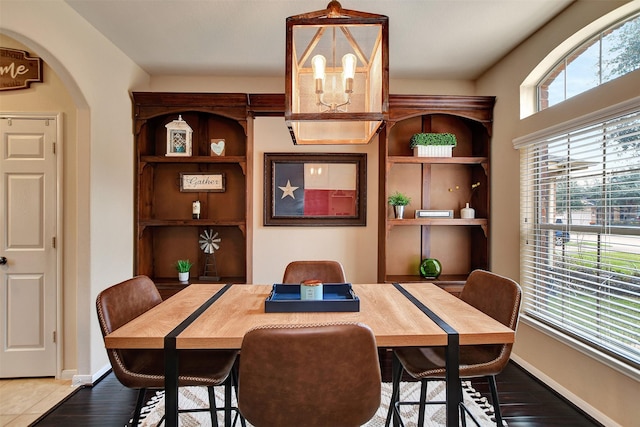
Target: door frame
point(57, 118)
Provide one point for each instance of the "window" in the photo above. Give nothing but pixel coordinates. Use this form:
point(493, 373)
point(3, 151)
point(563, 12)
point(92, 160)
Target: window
point(610, 54)
point(580, 223)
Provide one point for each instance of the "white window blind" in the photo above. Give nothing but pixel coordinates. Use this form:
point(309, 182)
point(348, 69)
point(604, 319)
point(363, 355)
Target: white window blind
point(580, 224)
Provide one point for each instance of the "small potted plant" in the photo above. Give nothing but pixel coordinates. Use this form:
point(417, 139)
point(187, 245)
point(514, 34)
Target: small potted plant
point(183, 266)
point(433, 144)
point(398, 201)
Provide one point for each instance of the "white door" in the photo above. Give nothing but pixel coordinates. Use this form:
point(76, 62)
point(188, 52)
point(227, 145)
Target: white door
point(28, 219)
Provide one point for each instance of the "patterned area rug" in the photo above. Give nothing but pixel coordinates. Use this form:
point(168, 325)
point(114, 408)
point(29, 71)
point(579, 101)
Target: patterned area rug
point(196, 397)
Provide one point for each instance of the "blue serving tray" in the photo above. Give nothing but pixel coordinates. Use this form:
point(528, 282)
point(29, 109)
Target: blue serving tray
point(285, 298)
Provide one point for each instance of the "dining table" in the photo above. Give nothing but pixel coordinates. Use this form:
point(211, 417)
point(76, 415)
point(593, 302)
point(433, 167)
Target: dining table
point(217, 316)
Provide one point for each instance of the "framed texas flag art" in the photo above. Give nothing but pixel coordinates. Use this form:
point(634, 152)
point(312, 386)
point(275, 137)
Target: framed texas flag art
point(315, 189)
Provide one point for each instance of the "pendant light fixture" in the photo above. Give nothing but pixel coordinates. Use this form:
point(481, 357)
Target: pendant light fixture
point(337, 76)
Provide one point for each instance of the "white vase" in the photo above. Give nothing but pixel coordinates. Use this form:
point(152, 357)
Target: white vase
point(467, 212)
point(183, 277)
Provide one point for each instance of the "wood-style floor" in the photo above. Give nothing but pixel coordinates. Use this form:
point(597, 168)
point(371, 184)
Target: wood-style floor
point(525, 402)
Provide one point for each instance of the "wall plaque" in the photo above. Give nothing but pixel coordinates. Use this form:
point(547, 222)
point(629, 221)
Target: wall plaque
point(18, 70)
point(196, 182)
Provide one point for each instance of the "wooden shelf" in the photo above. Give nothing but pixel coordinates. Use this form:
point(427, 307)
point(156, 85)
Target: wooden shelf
point(164, 229)
point(437, 221)
point(438, 183)
point(189, 223)
point(439, 160)
point(193, 159)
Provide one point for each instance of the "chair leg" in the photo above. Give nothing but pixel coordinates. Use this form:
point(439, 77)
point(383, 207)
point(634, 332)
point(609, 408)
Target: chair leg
point(396, 375)
point(494, 399)
point(139, 403)
point(213, 408)
point(423, 401)
point(234, 384)
point(463, 414)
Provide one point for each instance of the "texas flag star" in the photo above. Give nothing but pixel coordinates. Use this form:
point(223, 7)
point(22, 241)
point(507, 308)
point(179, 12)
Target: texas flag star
point(288, 190)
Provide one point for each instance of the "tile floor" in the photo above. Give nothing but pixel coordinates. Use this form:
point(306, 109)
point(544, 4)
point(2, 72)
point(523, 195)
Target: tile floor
point(23, 400)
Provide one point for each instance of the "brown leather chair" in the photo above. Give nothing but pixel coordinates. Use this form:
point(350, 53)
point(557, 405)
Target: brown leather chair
point(497, 296)
point(327, 271)
point(143, 369)
point(309, 375)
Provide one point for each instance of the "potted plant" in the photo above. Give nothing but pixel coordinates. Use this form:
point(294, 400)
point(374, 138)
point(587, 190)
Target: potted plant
point(399, 201)
point(183, 266)
point(433, 144)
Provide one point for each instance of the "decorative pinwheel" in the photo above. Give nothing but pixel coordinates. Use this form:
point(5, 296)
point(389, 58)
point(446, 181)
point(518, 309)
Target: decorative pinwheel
point(209, 243)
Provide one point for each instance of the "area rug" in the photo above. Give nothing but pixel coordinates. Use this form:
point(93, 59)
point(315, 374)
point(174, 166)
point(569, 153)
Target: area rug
point(196, 397)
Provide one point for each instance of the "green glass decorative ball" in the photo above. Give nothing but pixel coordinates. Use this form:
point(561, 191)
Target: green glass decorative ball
point(430, 268)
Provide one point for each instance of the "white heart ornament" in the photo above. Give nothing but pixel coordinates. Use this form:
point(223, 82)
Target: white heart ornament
point(217, 147)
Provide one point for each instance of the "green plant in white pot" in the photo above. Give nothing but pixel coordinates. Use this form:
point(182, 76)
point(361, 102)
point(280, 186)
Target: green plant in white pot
point(183, 266)
point(433, 144)
point(398, 201)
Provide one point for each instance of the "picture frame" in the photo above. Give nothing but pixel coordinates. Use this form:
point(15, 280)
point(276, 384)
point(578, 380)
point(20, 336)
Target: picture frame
point(315, 189)
point(202, 182)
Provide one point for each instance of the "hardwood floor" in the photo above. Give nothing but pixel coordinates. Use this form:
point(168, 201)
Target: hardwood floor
point(525, 402)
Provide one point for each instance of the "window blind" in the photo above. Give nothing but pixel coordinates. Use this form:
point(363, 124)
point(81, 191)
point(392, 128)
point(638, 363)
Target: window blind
point(580, 227)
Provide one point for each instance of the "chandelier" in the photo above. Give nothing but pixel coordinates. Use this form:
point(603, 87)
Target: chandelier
point(337, 76)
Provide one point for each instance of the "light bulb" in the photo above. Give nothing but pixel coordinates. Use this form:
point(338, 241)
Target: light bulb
point(348, 71)
point(318, 63)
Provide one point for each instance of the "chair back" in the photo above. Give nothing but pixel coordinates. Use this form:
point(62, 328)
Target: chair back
point(498, 297)
point(309, 375)
point(326, 271)
point(118, 305)
point(494, 295)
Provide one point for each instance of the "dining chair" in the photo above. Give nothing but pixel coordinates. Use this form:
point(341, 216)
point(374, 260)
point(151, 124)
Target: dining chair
point(494, 295)
point(143, 369)
point(326, 271)
point(309, 375)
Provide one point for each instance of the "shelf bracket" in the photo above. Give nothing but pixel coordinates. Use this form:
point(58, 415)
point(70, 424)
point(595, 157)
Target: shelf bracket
point(485, 166)
point(243, 166)
point(484, 229)
point(243, 229)
point(141, 231)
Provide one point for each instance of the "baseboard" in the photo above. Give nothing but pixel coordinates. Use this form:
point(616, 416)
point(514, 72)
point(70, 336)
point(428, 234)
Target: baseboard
point(89, 380)
point(571, 397)
point(68, 374)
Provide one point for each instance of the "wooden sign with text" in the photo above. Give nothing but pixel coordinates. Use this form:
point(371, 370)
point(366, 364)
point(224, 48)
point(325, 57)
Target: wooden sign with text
point(18, 70)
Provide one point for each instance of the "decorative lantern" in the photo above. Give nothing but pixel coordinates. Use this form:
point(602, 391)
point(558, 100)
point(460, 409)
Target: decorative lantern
point(337, 76)
point(179, 135)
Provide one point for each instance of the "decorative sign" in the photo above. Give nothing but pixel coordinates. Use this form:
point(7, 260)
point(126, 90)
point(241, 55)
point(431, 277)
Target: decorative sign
point(212, 182)
point(217, 147)
point(17, 70)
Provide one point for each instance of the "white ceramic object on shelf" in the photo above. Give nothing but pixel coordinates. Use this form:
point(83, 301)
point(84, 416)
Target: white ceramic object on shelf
point(467, 212)
point(183, 277)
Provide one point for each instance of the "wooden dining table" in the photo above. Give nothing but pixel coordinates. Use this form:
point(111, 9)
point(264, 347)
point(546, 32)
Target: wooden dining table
point(217, 316)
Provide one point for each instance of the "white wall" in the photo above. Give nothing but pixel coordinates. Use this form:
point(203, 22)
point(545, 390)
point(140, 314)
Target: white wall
point(606, 393)
point(98, 77)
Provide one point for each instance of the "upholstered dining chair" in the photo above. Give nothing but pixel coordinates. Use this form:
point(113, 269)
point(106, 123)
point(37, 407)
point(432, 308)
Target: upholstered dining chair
point(144, 369)
point(309, 375)
point(327, 271)
point(494, 295)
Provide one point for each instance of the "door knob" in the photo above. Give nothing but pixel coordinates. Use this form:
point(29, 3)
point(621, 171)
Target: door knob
point(3, 260)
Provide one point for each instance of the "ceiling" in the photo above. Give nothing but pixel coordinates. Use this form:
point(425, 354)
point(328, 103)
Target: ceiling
point(428, 39)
